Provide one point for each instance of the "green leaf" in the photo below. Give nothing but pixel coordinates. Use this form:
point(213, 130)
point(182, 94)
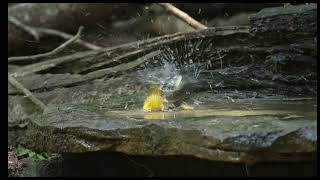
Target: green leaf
point(31, 154)
point(22, 151)
point(39, 156)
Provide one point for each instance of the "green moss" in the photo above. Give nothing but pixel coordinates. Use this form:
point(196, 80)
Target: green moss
point(25, 152)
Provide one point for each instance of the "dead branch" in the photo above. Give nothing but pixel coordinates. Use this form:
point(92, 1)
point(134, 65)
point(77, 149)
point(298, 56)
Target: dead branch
point(27, 29)
point(104, 63)
point(183, 16)
point(123, 67)
point(67, 36)
point(41, 66)
point(65, 17)
point(55, 51)
point(67, 80)
point(37, 33)
point(151, 43)
point(26, 92)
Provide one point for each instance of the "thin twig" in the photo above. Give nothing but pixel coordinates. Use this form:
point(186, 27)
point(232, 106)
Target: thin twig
point(24, 27)
point(67, 36)
point(38, 32)
point(183, 16)
point(56, 50)
point(26, 92)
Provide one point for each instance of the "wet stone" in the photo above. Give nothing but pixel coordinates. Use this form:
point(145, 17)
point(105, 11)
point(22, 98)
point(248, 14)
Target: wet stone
point(270, 131)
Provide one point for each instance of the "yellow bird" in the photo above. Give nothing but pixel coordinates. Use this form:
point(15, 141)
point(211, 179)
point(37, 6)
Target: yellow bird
point(155, 100)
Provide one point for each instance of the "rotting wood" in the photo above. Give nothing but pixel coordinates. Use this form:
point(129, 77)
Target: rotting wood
point(152, 43)
point(71, 80)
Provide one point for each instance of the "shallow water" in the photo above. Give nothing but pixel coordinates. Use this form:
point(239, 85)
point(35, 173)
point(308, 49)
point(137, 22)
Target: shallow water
point(285, 109)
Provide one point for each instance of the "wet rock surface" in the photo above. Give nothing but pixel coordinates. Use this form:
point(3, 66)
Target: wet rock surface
point(223, 134)
point(298, 19)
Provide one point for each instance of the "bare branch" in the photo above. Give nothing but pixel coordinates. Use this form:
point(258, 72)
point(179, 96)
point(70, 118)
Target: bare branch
point(67, 36)
point(56, 50)
point(87, 14)
point(37, 33)
point(24, 27)
point(67, 80)
point(152, 43)
point(26, 92)
point(183, 16)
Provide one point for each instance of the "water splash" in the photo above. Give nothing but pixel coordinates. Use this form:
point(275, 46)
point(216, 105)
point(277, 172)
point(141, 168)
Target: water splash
point(168, 76)
point(181, 63)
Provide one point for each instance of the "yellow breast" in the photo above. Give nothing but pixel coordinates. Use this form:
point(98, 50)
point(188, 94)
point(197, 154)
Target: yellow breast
point(154, 102)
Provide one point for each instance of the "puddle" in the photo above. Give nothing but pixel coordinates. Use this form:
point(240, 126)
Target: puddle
point(285, 110)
